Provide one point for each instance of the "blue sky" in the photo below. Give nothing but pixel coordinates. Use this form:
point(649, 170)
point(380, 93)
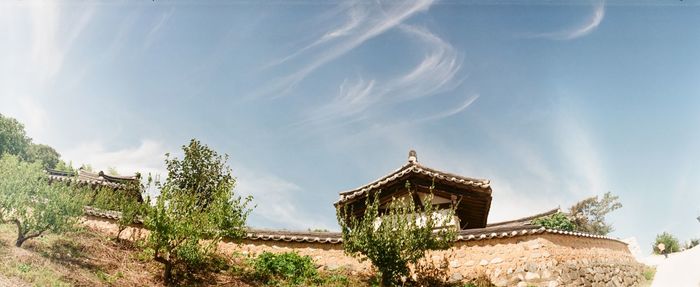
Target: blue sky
point(553, 103)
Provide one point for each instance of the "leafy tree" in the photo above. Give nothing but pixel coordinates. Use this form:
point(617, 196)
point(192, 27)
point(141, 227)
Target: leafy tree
point(32, 204)
point(182, 218)
point(559, 221)
point(589, 214)
point(13, 138)
point(398, 237)
point(121, 200)
point(112, 171)
point(63, 166)
point(44, 154)
point(670, 242)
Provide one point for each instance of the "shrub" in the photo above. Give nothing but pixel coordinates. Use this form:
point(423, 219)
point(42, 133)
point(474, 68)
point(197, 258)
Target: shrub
point(397, 238)
point(557, 221)
point(196, 208)
point(670, 242)
point(692, 243)
point(289, 266)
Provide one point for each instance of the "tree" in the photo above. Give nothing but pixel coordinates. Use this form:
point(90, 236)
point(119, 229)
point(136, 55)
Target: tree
point(44, 154)
point(13, 138)
point(692, 243)
point(670, 242)
point(398, 237)
point(35, 206)
point(123, 201)
point(589, 214)
point(194, 211)
point(559, 221)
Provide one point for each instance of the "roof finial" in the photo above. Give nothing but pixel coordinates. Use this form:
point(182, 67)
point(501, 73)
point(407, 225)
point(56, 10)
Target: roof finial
point(412, 156)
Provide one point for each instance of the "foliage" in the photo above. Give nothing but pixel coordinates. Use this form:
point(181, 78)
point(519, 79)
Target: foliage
point(670, 242)
point(692, 243)
point(589, 214)
point(14, 141)
point(123, 200)
point(13, 138)
point(35, 206)
point(182, 217)
point(289, 266)
point(559, 221)
point(480, 281)
point(649, 273)
point(63, 166)
point(400, 237)
point(44, 154)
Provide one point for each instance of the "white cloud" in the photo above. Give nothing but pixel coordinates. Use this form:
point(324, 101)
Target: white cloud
point(147, 157)
point(276, 201)
point(436, 73)
point(153, 33)
point(581, 30)
point(581, 155)
point(336, 42)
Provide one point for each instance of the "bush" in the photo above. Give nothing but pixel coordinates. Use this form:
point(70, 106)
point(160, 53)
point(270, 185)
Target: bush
point(692, 243)
point(557, 221)
point(669, 241)
point(290, 267)
point(398, 237)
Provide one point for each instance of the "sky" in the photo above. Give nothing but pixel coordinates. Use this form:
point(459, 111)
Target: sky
point(552, 103)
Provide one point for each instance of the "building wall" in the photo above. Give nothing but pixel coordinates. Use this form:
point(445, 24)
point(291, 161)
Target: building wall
point(528, 260)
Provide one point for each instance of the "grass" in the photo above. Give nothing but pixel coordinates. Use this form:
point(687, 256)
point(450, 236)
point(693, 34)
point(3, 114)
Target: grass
point(91, 258)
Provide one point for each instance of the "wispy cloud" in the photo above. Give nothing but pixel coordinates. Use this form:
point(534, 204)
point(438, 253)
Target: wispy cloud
point(581, 155)
point(367, 20)
point(153, 33)
point(276, 201)
point(49, 48)
point(436, 73)
point(578, 31)
point(452, 112)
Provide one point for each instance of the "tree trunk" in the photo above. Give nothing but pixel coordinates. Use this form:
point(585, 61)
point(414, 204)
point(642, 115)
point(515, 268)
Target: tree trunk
point(168, 273)
point(20, 240)
point(386, 280)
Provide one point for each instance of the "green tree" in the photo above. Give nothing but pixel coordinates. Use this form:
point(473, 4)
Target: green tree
point(32, 204)
point(670, 242)
point(13, 138)
point(398, 236)
point(559, 221)
point(589, 214)
point(182, 217)
point(44, 154)
point(123, 201)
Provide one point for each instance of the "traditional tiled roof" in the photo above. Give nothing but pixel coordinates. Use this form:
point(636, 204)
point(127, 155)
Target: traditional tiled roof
point(525, 220)
point(86, 177)
point(414, 167)
point(491, 232)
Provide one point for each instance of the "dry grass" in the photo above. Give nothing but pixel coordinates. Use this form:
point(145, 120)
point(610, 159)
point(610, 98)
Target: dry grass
point(81, 258)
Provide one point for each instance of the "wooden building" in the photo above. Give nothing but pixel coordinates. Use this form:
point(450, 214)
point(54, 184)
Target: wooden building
point(472, 196)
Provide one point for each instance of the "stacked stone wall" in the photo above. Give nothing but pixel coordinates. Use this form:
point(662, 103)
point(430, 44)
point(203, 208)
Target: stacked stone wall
point(528, 260)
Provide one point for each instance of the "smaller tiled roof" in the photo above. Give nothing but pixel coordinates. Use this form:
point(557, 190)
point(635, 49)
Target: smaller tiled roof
point(413, 166)
point(491, 232)
point(525, 220)
point(86, 177)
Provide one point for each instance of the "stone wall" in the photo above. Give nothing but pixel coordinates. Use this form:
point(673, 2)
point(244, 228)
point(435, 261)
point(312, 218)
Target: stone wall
point(544, 259)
